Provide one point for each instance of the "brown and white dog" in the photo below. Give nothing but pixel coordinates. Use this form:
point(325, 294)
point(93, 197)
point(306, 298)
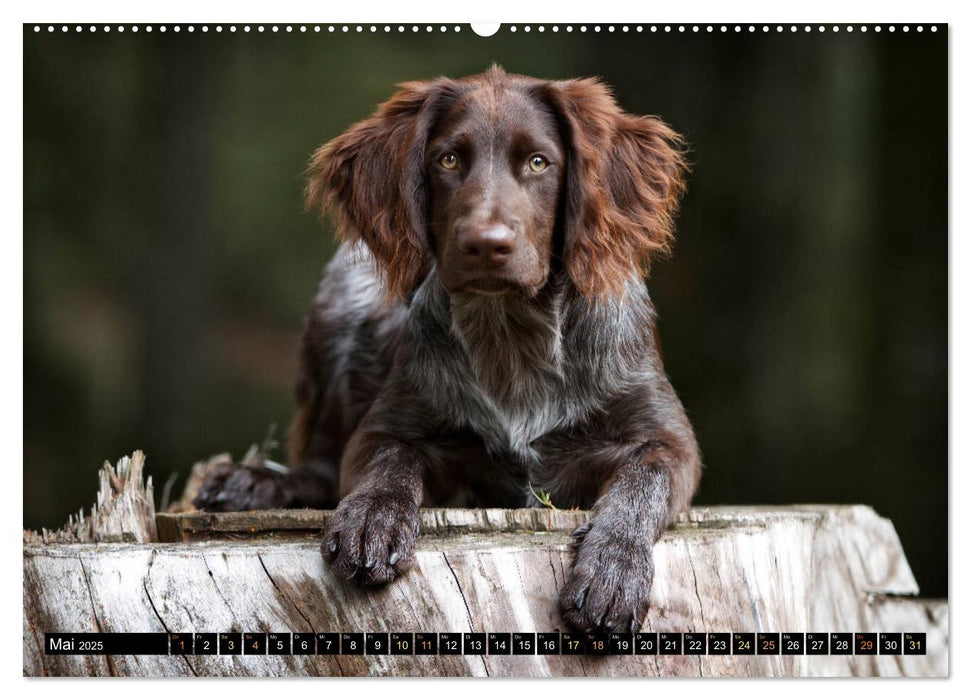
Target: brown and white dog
point(484, 332)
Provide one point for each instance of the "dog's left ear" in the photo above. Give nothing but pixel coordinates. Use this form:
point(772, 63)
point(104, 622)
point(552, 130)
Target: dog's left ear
point(371, 178)
point(624, 179)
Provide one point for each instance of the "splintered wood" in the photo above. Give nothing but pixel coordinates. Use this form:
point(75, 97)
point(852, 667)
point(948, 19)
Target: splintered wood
point(124, 510)
point(729, 569)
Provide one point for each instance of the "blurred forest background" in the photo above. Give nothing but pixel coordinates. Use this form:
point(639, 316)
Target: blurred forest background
point(169, 263)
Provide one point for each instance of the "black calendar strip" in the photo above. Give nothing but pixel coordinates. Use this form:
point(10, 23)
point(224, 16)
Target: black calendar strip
point(490, 643)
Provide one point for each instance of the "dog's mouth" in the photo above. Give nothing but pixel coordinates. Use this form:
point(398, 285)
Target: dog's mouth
point(494, 286)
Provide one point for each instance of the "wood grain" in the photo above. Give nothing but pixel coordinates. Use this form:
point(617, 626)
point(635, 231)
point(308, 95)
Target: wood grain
point(785, 569)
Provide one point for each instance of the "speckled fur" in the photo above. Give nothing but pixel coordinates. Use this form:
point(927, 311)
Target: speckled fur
point(413, 392)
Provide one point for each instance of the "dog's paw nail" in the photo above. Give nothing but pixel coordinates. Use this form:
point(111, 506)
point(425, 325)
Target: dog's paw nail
point(581, 599)
point(369, 564)
point(393, 559)
point(332, 547)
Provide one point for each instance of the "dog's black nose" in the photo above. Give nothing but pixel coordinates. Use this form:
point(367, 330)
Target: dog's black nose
point(490, 245)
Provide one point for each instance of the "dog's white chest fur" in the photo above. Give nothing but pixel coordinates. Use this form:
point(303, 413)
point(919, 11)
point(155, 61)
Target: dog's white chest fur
point(512, 369)
point(515, 357)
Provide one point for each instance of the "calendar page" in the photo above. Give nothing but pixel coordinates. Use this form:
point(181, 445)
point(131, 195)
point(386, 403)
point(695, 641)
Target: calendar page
point(523, 349)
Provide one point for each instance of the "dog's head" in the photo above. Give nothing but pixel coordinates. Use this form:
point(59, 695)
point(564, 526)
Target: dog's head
point(499, 178)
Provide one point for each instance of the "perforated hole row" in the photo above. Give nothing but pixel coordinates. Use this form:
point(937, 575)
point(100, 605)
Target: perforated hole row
point(428, 28)
point(725, 28)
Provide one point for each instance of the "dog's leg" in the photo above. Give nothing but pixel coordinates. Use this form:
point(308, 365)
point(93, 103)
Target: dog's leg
point(613, 569)
point(347, 349)
point(371, 536)
point(314, 450)
point(232, 487)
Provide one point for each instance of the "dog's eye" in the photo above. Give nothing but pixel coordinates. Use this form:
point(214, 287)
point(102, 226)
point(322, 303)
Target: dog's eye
point(538, 163)
point(449, 161)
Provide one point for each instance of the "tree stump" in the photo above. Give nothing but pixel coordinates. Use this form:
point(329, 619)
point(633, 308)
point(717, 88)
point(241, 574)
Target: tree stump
point(724, 569)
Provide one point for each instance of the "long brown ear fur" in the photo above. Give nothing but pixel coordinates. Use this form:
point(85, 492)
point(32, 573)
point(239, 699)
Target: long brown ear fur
point(625, 178)
point(371, 179)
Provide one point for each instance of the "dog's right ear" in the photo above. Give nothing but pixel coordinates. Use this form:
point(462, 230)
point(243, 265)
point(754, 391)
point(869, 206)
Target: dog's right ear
point(371, 178)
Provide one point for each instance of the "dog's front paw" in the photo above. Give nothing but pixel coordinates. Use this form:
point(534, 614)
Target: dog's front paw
point(232, 486)
point(371, 537)
point(610, 584)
